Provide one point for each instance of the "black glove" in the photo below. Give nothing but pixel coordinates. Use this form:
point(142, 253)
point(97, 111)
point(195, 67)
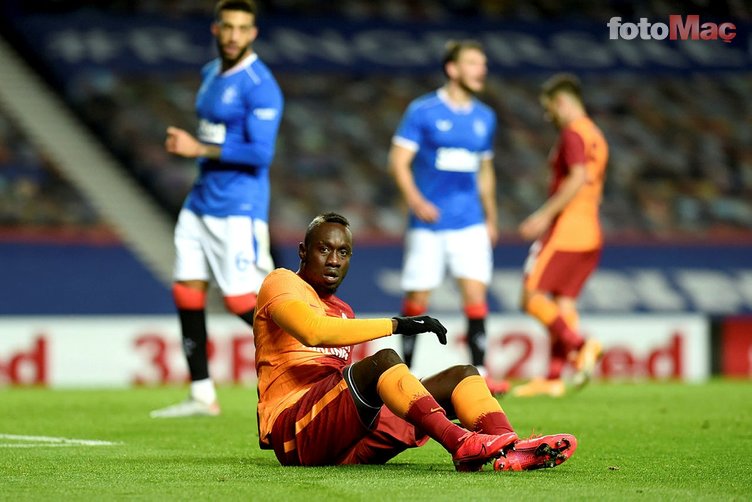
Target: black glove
point(415, 325)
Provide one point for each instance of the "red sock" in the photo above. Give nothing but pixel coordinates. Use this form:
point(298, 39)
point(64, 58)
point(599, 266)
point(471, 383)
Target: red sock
point(495, 422)
point(411, 308)
point(558, 359)
point(426, 414)
point(560, 331)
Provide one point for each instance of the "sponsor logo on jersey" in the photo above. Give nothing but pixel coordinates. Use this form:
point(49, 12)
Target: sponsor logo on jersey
point(457, 159)
point(340, 352)
point(229, 95)
point(479, 128)
point(210, 132)
point(265, 113)
point(443, 125)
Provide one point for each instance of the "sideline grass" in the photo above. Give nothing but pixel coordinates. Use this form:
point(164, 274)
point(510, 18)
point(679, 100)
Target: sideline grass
point(658, 441)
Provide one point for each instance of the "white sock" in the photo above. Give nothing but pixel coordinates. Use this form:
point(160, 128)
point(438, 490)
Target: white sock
point(203, 390)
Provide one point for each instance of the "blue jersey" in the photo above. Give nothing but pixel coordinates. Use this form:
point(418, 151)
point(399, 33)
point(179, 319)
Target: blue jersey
point(449, 144)
point(240, 111)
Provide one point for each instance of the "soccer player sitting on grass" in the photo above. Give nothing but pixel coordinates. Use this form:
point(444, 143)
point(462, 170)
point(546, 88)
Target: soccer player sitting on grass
point(316, 407)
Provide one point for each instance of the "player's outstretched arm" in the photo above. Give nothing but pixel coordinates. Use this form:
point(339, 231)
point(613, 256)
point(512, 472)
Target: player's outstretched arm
point(298, 319)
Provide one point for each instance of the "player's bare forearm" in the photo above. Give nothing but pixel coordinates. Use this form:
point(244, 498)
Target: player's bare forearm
point(487, 189)
point(567, 190)
point(211, 151)
point(493, 232)
point(488, 201)
point(399, 165)
point(418, 204)
point(537, 223)
point(534, 225)
point(492, 219)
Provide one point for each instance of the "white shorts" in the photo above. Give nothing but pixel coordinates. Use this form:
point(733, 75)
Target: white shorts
point(465, 252)
point(233, 250)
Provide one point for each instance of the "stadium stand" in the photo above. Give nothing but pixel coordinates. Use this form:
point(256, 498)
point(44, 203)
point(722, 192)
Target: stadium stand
point(679, 166)
point(33, 194)
point(411, 10)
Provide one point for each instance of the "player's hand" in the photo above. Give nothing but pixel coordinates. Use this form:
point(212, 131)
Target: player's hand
point(424, 210)
point(493, 232)
point(181, 142)
point(534, 226)
point(416, 325)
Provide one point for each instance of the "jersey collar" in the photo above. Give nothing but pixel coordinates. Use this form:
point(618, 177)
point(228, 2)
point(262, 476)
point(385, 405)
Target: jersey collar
point(444, 97)
point(242, 65)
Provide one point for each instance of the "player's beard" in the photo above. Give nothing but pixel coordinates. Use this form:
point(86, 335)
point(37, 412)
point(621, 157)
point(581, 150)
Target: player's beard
point(229, 63)
point(468, 89)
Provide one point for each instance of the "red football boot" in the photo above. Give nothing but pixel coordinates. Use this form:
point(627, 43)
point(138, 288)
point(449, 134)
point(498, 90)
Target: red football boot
point(476, 449)
point(537, 453)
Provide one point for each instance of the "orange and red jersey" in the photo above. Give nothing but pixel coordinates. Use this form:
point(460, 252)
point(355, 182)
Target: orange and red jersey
point(577, 227)
point(286, 367)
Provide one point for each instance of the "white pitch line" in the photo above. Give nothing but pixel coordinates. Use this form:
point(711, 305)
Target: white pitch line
point(50, 441)
point(33, 445)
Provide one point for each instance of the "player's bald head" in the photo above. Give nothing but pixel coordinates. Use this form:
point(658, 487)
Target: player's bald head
point(330, 217)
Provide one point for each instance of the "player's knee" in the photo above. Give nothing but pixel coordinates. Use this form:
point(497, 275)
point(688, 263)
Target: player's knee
point(187, 298)
point(240, 304)
point(386, 358)
point(462, 371)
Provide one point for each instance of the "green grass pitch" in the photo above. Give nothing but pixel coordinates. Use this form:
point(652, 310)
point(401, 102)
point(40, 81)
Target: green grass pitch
point(649, 441)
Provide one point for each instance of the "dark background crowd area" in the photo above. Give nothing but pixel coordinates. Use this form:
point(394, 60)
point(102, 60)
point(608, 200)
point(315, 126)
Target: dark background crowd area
point(415, 10)
point(33, 194)
point(680, 165)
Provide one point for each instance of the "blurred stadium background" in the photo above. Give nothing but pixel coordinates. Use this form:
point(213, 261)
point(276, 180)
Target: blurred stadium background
point(88, 197)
